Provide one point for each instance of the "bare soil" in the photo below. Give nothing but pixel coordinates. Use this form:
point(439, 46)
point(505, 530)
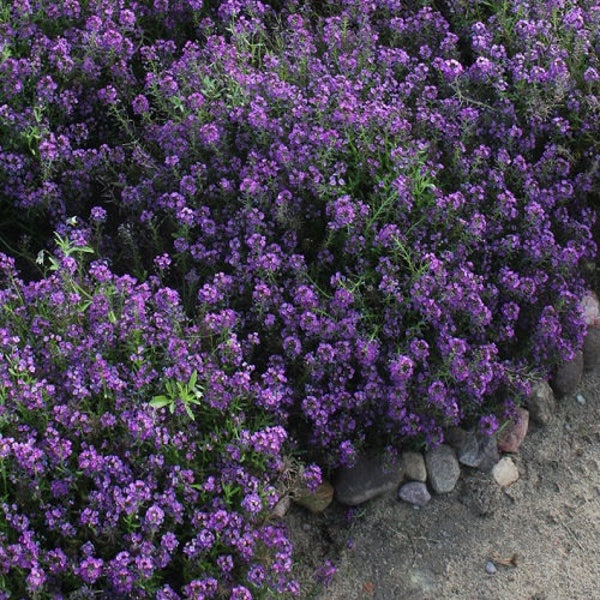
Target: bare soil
point(542, 534)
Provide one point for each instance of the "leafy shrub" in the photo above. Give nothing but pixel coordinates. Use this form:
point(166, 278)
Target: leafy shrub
point(107, 483)
point(375, 216)
point(380, 207)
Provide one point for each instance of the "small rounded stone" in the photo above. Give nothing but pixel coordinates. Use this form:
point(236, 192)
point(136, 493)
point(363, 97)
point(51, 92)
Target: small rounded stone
point(415, 493)
point(490, 568)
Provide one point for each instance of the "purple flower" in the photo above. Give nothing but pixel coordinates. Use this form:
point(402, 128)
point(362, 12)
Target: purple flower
point(239, 592)
point(225, 563)
point(451, 69)
point(169, 542)
point(145, 566)
point(342, 213)
point(56, 561)
point(326, 572)
point(256, 575)
point(98, 215)
point(401, 369)
point(312, 476)
point(348, 454)
point(199, 589)
point(167, 593)
point(154, 516)
point(35, 579)
point(591, 75)
point(90, 569)
point(162, 262)
point(252, 503)
point(140, 105)
point(488, 424)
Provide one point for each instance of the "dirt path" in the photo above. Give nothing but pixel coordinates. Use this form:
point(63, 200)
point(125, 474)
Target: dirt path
point(542, 535)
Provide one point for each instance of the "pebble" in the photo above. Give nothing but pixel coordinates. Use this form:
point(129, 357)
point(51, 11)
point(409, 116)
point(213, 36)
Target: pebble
point(413, 465)
point(590, 307)
point(505, 472)
point(456, 437)
point(512, 437)
point(443, 469)
point(541, 403)
point(368, 478)
point(490, 568)
point(591, 349)
point(316, 501)
point(477, 450)
point(282, 507)
point(415, 493)
point(568, 375)
point(580, 399)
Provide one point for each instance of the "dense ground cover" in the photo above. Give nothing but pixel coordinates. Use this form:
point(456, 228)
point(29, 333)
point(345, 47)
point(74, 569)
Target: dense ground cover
point(301, 228)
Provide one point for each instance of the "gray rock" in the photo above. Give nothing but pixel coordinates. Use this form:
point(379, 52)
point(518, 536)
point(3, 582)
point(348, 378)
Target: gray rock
point(541, 403)
point(591, 349)
point(567, 376)
point(478, 450)
point(413, 465)
point(468, 452)
point(368, 478)
point(490, 568)
point(415, 493)
point(443, 469)
point(489, 453)
point(456, 437)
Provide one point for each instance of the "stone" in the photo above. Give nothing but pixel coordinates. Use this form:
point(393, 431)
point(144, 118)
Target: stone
point(512, 437)
point(368, 478)
point(541, 403)
point(489, 453)
point(468, 452)
point(443, 469)
point(505, 472)
point(281, 508)
point(490, 568)
point(478, 451)
point(415, 493)
point(591, 349)
point(455, 437)
point(590, 307)
point(568, 375)
point(316, 501)
point(413, 465)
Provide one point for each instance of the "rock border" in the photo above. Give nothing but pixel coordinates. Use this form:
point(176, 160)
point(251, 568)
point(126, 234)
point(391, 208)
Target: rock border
point(415, 477)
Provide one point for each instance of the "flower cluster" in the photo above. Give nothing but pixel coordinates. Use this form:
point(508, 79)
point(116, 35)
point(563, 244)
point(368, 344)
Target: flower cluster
point(103, 486)
point(362, 221)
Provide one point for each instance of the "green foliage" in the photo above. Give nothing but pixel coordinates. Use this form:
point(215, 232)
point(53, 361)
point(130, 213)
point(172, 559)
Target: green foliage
point(189, 394)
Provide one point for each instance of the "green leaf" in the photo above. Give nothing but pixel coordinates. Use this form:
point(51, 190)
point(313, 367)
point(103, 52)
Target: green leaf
point(193, 379)
point(84, 249)
point(160, 401)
